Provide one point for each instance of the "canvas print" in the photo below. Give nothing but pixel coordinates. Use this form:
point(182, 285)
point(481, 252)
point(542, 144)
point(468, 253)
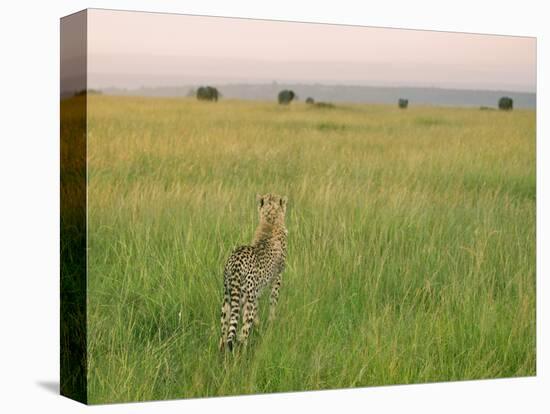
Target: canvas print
point(252, 206)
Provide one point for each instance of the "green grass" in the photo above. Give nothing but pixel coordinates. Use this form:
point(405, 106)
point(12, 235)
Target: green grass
point(411, 245)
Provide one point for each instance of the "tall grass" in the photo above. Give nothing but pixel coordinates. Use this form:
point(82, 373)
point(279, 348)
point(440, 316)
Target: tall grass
point(411, 245)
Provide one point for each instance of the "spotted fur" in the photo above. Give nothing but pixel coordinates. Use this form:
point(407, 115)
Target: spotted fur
point(250, 269)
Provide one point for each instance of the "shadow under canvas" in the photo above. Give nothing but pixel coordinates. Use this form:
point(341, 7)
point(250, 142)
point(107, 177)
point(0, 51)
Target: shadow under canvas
point(51, 386)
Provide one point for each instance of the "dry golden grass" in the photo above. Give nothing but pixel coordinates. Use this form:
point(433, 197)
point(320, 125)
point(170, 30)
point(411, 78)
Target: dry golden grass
point(411, 244)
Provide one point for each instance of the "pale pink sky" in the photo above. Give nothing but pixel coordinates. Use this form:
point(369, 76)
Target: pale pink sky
point(133, 49)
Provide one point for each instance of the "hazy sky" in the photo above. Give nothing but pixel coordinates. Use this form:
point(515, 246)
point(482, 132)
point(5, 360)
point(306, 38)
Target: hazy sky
point(131, 49)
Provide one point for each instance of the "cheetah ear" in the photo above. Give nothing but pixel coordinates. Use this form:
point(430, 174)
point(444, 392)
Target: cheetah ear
point(260, 200)
point(283, 201)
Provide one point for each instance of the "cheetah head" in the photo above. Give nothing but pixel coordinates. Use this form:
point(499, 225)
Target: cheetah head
point(272, 208)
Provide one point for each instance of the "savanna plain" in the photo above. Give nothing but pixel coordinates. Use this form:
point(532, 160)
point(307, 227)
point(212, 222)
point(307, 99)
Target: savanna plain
point(411, 245)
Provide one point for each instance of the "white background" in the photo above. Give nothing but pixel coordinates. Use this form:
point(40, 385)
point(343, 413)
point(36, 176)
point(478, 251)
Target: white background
point(29, 205)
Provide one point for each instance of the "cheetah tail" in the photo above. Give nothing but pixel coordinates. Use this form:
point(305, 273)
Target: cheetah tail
point(234, 313)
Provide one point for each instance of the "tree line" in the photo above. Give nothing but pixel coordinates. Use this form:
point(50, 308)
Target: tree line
point(286, 96)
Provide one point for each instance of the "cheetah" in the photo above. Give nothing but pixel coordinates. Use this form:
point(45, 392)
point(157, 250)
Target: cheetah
point(251, 268)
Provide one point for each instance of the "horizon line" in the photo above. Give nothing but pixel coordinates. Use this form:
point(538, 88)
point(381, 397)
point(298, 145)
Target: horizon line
point(302, 83)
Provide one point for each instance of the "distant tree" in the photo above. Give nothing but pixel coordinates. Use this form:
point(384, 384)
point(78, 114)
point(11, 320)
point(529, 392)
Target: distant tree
point(286, 96)
point(85, 92)
point(191, 92)
point(403, 103)
point(505, 103)
point(310, 100)
point(323, 105)
point(208, 93)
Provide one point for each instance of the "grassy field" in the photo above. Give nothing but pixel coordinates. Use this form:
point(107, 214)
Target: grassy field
point(411, 245)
